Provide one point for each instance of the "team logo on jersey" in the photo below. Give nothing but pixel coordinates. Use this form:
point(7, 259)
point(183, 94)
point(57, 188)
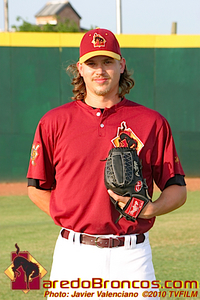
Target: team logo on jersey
point(25, 272)
point(127, 138)
point(34, 153)
point(98, 40)
point(176, 159)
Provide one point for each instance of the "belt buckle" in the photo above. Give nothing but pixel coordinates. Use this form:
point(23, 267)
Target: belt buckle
point(109, 245)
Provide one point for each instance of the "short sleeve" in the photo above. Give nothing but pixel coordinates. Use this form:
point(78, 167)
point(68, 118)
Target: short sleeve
point(165, 161)
point(41, 160)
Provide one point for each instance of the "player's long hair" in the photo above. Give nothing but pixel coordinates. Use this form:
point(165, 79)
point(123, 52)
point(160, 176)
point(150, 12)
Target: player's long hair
point(125, 83)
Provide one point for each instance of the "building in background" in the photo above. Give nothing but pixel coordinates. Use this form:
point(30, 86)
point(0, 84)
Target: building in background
point(57, 11)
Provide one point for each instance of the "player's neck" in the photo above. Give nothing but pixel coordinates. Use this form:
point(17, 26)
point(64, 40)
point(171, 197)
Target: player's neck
point(102, 101)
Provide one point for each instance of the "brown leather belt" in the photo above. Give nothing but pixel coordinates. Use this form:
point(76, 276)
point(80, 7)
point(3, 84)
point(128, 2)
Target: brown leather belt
point(102, 241)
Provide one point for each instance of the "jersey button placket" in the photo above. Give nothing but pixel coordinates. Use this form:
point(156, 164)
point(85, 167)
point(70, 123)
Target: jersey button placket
point(102, 129)
point(102, 125)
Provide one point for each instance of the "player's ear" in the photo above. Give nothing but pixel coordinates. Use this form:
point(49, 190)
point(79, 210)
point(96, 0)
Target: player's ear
point(122, 65)
point(79, 67)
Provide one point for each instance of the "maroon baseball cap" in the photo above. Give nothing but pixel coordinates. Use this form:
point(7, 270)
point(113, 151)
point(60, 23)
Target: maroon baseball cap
point(99, 42)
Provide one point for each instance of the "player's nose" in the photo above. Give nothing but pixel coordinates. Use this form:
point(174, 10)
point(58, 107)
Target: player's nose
point(100, 69)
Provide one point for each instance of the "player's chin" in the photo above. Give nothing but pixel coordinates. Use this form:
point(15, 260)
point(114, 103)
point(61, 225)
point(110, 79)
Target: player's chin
point(102, 92)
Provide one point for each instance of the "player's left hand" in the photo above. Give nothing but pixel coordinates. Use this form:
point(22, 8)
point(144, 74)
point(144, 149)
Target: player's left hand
point(146, 213)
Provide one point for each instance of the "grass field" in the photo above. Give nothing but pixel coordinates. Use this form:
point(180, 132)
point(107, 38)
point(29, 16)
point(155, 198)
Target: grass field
point(175, 241)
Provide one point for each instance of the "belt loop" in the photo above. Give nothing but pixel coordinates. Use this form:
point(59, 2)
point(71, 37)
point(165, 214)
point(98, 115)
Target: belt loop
point(130, 241)
point(146, 234)
point(127, 242)
point(77, 237)
point(133, 241)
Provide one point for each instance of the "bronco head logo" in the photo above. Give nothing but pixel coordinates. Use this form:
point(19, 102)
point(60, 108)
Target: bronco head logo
point(98, 40)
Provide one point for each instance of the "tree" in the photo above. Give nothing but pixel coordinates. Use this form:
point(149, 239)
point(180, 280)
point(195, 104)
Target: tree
point(67, 26)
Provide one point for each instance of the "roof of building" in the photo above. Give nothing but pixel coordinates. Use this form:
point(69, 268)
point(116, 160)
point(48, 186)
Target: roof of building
point(54, 8)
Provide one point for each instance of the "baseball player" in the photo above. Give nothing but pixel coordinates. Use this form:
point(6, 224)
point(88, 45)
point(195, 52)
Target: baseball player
point(94, 254)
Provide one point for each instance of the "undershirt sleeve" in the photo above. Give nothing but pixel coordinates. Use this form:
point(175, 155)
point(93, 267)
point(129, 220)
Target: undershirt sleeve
point(35, 183)
point(176, 180)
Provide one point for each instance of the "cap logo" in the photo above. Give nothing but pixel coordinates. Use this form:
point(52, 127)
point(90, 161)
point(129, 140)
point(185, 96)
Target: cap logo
point(98, 40)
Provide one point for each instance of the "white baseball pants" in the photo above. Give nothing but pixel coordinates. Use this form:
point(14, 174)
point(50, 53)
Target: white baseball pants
point(86, 271)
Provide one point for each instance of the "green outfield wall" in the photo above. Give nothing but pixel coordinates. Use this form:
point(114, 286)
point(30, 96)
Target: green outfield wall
point(33, 80)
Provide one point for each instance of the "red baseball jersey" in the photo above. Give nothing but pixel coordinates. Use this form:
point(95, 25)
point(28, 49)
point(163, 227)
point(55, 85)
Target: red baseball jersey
point(70, 145)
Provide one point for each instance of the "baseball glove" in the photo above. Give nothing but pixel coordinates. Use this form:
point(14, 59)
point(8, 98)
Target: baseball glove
point(123, 175)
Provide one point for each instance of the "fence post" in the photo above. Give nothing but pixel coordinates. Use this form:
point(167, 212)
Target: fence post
point(174, 28)
point(6, 26)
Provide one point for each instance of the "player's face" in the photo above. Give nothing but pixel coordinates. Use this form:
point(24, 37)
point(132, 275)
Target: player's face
point(101, 75)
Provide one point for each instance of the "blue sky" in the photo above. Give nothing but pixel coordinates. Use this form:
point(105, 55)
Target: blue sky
point(138, 16)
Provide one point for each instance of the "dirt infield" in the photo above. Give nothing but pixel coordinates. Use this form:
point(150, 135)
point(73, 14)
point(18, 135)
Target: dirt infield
point(20, 188)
